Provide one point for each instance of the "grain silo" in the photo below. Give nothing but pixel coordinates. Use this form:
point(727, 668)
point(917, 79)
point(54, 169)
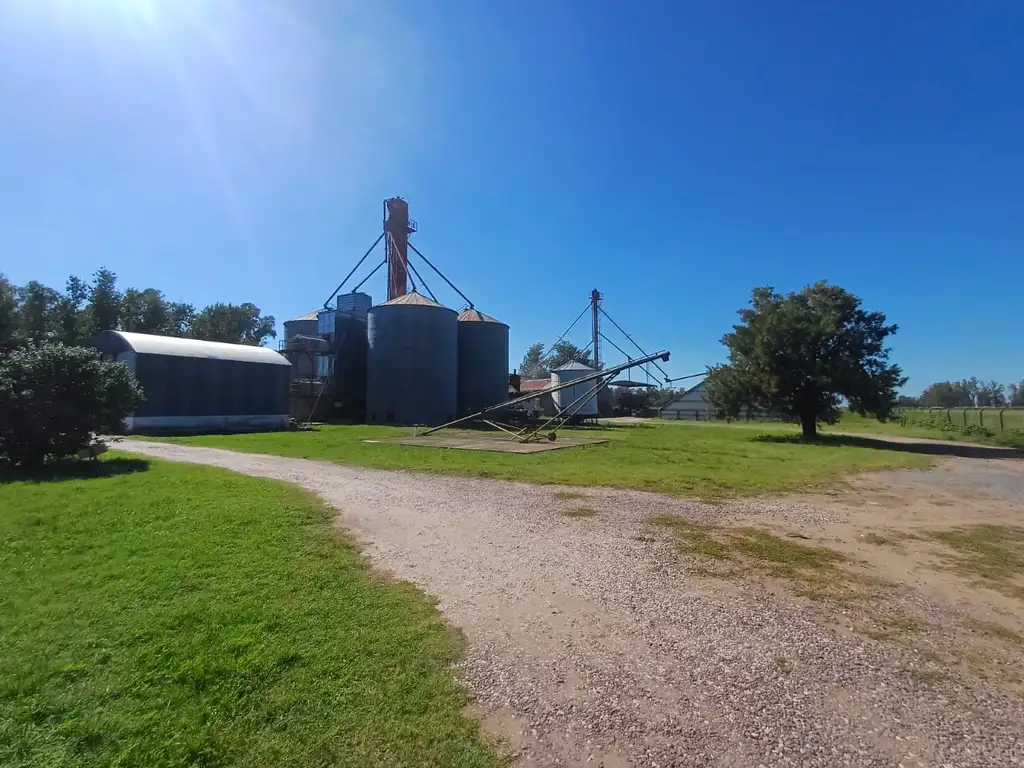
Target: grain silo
point(483, 362)
point(565, 398)
point(295, 330)
point(348, 364)
point(412, 362)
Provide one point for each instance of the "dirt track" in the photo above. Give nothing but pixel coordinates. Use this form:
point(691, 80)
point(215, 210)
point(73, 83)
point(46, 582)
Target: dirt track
point(592, 641)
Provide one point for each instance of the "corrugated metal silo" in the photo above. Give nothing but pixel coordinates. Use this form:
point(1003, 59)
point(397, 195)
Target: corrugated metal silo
point(483, 362)
point(566, 397)
point(306, 325)
point(412, 362)
point(348, 362)
point(300, 326)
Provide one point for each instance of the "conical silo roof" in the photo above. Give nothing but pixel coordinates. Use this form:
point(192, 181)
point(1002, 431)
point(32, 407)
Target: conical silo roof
point(473, 315)
point(574, 366)
point(415, 299)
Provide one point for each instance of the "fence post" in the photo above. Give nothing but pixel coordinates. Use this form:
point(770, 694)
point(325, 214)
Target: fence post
point(981, 417)
point(1001, 419)
point(965, 417)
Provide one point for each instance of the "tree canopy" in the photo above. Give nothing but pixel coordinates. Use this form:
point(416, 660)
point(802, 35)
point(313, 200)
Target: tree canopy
point(802, 354)
point(36, 313)
point(538, 365)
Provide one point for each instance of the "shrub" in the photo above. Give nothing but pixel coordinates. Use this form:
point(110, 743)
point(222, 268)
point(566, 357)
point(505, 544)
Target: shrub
point(55, 399)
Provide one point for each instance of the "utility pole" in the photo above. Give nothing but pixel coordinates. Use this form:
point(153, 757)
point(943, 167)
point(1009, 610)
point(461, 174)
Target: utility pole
point(595, 306)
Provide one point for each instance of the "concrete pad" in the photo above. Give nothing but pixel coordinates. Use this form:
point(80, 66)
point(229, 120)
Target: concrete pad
point(490, 442)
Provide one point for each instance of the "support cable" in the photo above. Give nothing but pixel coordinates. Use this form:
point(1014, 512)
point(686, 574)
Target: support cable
point(628, 356)
point(439, 272)
point(422, 282)
point(632, 340)
point(567, 330)
point(411, 279)
point(358, 264)
point(368, 276)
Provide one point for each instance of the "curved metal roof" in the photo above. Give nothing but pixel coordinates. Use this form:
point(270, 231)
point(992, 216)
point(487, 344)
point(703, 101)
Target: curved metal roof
point(473, 315)
point(146, 344)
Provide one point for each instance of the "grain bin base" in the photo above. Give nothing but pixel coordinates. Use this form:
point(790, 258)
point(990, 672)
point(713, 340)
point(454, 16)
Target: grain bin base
point(495, 443)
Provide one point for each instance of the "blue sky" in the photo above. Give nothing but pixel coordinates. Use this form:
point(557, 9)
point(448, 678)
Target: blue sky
point(672, 154)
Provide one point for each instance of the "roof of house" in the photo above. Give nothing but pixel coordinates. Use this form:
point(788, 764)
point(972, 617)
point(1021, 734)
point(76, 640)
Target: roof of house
point(170, 346)
point(689, 391)
point(532, 385)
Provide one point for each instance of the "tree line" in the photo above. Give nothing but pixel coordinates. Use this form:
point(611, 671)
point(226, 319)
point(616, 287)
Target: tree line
point(539, 362)
point(967, 393)
point(36, 313)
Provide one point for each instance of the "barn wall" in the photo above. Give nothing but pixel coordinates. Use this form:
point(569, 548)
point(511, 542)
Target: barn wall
point(183, 392)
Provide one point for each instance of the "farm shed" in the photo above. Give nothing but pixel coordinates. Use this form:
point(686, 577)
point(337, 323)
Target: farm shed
point(691, 405)
point(201, 385)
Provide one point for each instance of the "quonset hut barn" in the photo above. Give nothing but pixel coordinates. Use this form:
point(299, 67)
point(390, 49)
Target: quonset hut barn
point(201, 385)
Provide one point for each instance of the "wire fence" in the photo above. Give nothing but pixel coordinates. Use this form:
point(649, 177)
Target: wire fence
point(992, 419)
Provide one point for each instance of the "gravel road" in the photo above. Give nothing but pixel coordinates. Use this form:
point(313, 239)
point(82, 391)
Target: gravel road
point(590, 642)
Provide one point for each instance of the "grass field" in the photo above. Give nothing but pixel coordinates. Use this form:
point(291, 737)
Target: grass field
point(1013, 436)
point(174, 615)
point(709, 462)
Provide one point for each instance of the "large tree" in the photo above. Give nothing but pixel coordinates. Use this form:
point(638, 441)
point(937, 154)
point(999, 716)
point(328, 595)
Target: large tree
point(9, 331)
point(566, 352)
point(144, 311)
point(533, 365)
point(36, 304)
point(1016, 392)
point(950, 394)
point(105, 302)
point(237, 324)
point(802, 354)
point(35, 313)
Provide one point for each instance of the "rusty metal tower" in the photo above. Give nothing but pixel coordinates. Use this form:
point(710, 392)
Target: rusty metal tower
point(397, 228)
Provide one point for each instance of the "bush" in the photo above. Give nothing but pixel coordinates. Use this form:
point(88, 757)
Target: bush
point(55, 399)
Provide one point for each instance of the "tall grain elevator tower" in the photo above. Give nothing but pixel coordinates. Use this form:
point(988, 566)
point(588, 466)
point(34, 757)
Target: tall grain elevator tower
point(397, 228)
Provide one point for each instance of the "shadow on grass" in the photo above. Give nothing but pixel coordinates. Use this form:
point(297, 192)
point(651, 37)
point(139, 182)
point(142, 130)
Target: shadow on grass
point(72, 469)
point(905, 445)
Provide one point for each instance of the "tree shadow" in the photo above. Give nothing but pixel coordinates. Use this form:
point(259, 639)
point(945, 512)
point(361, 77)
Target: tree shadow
point(73, 469)
point(905, 445)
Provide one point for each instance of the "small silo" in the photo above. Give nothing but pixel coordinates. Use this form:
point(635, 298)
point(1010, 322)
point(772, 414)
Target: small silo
point(304, 365)
point(411, 362)
point(566, 397)
point(483, 362)
point(305, 325)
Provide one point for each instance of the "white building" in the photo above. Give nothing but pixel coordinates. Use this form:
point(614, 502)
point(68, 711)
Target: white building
point(690, 405)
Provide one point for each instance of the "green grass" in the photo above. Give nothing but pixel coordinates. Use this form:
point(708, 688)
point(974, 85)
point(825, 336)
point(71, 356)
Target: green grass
point(1012, 436)
point(187, 616)
point(814, 571)
point(709, 462)
point(991, 554)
